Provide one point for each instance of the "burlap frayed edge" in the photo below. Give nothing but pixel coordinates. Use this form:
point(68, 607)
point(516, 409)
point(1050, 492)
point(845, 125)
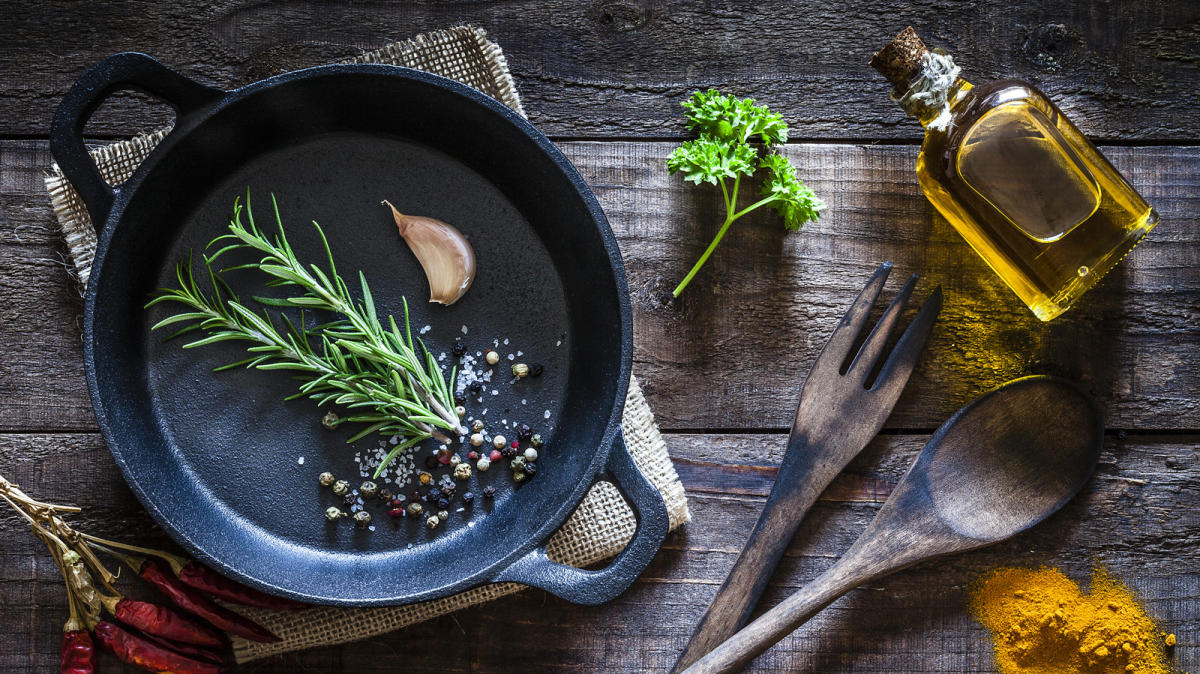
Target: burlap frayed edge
point(598, 529)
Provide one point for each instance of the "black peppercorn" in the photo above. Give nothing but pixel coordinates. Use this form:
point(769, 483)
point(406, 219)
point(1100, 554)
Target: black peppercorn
point(489, 491)
point(530, 469)
point(460, 398)
point(476, 387)
point(524, 432)
point(349, 499)
point(448, 490)
point(468, 498)
point(431, 462)
point(459, 348)
point(443, 504)
point(509, 451)
point(535, 370)
point(385, 494)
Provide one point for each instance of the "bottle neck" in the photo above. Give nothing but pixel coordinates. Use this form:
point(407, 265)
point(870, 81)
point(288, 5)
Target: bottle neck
point(927, 114)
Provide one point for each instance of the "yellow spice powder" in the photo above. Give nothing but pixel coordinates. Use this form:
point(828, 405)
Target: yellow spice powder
point(1042, 623)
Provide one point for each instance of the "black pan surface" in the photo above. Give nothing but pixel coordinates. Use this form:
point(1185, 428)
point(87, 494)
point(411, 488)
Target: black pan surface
point(229, 468)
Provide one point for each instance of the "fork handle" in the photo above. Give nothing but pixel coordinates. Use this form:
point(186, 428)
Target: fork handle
point(805, 473)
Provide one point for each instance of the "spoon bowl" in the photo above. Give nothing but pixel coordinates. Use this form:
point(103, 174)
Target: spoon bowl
point(1006, 461)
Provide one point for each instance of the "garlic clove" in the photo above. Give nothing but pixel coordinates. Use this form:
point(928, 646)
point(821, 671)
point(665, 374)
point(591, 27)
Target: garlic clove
point(444, 254)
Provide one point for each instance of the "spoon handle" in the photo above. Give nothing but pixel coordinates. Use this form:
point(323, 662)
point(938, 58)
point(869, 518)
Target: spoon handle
point(784, 618)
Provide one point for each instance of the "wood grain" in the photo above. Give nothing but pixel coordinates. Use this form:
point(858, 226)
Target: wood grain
point(1139, 516)
point(730, 354)
point(619, 68)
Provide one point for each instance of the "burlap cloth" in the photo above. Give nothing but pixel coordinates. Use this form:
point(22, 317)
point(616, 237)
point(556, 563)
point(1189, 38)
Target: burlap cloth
point(602, 524)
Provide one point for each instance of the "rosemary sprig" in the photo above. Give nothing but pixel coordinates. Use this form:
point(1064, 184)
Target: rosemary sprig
point(391, 381)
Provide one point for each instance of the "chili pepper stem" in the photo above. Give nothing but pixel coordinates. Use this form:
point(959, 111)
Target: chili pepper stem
point(176, 562)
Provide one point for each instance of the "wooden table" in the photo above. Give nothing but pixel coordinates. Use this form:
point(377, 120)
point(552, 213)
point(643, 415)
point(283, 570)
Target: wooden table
point(722, 367)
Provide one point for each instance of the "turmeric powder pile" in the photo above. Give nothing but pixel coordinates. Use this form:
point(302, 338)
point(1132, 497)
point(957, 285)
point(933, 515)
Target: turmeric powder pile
point(1043, 624)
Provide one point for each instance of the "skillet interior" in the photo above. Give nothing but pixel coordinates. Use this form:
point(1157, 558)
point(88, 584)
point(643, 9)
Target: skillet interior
point(215, 456)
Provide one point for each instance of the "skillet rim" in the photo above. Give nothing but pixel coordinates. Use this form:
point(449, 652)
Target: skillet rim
point(185, 124)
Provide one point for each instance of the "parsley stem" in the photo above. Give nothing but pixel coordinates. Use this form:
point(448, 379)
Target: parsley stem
point(754, 205)
point(704, 258)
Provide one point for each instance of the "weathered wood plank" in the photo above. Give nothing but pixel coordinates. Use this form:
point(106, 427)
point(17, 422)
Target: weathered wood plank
point(731, 353)
point(619, 68)
point(1139, 517)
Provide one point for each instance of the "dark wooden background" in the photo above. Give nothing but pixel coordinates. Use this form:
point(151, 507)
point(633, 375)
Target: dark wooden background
point(721, 368)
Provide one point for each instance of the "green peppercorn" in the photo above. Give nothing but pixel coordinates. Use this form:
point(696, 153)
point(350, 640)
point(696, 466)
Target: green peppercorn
point(362, 519)
point(477, 425)
point(415, 509)
point(536, 440)
point(443, 515)
point(517, 464)
point(462, 471)
point(518, 477)
point(520, 370)
point(330, 421)
point(433, 522)
point(368, 489)
point(326, 479)
point(333, 513)
point(341, 488)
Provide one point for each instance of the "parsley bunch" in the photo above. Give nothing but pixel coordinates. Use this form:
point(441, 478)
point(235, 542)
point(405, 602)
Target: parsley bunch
point(724, 153)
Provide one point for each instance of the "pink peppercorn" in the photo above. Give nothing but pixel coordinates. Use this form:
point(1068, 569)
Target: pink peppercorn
point(473, 455)
point(495, 456)
point(514, 444)
point(443, 456)
point(396, 512)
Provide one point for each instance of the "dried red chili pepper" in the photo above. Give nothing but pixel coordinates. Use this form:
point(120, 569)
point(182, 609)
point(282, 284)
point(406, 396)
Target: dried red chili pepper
point(135, 650)
point(192, 601)
point(163, 622)
point(205, 579)
point(195, 652)
point(78, 655)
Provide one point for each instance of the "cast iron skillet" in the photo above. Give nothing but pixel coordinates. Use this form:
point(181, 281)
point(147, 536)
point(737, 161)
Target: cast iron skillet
point(215, 457)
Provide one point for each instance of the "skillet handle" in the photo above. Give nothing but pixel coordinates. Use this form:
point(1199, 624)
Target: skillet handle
point(590, 588)
point(127, 70)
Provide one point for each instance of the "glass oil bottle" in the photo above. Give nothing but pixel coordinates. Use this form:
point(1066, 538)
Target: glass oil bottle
point(1013, 175)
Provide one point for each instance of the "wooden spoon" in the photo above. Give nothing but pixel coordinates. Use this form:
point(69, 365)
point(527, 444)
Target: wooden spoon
point(1000, 465)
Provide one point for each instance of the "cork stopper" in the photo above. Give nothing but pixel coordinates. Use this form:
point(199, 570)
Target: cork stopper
point(900, 59)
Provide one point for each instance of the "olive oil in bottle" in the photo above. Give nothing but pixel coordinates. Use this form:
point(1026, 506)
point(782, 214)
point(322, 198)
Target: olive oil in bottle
point(1013, 175)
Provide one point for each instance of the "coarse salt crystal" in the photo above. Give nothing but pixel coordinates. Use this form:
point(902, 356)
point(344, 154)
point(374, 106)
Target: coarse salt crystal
point(426, 329)
point(300, 461)
point(464, 329)
point(522, 401)
point(546, 415)
point(520, 353)
point(505, 340)
point(510, 356)
point(495, 392)
point(558, 343)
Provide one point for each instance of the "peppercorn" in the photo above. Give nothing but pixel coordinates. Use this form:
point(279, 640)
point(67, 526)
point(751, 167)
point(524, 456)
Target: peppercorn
point(524, 432)
point(460, 397)
point(531, 454)
point(349, 500)
point(495, 455)
point(431, 462)
point(519, 477)
point(462, 471)
point(468, 498)
point(415, 496)
point(330, 421)
point(433, 495)
point(475, 388)
point(508, 452)
point(368, 489)
point(397, 501)
point(489, 491)
point(530, 469)
point(455, 460)
point(326, 479)
point(472, 455)
point(415, 509)
point(333, 513)
point(433, 521)
point(477, 425)
point(491, 357)
point(499, 441)
point(385, 494)
point(341, 488)
point(448, 489)
point(520, 370)
point(477, 439)
point(459, 348)
point(424, 478)
point(536, 440)
point(460, 411)
point(362, 519)
point(396, 513)
point(443, 515)
point(483, 464)
point(535, 370)
point(443, 504)
point(517, 464)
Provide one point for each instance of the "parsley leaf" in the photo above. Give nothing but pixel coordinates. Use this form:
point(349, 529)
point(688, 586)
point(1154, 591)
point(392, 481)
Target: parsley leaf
point(723, 152)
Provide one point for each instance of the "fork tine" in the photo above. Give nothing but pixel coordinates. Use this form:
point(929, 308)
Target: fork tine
point(871, 349)
point(838, 347)
point(903, 358)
